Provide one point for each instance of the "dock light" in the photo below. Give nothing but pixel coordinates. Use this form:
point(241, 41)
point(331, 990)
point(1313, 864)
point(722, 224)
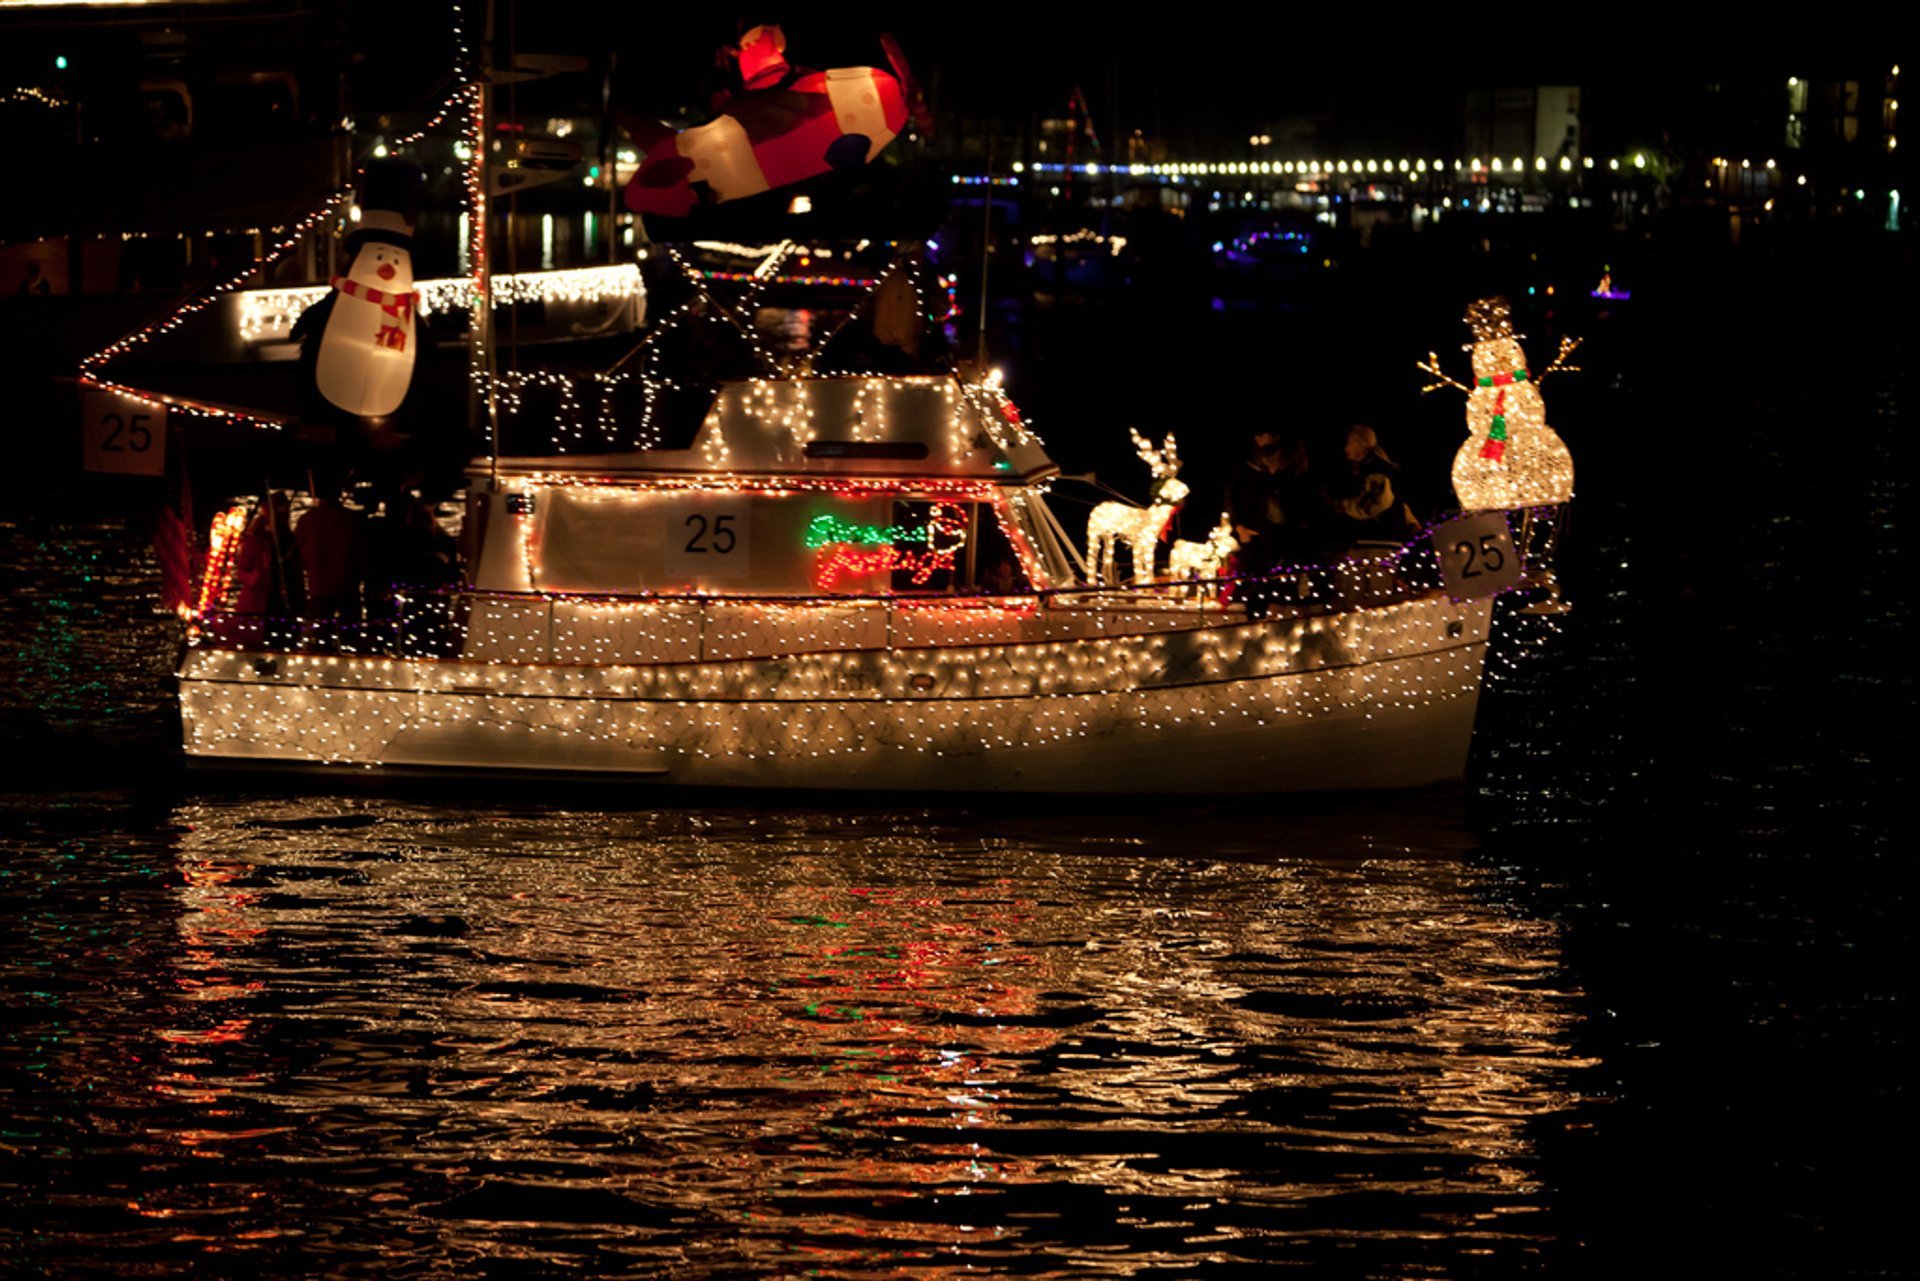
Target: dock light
point(1639, 160)
point(1566, 164)
point(1801, 181)
point(1540, 163)
point(1614, 163)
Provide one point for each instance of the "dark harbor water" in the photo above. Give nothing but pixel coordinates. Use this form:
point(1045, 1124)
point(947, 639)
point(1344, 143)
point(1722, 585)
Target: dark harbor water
point(1635, 997)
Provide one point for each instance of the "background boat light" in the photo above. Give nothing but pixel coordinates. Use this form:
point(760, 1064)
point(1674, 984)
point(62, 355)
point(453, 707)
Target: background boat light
point(268, 315)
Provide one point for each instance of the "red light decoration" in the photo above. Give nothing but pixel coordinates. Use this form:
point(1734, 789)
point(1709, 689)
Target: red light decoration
point(945, 534)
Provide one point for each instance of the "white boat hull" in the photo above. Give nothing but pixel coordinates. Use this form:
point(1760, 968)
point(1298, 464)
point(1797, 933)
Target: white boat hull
point(1373, 698)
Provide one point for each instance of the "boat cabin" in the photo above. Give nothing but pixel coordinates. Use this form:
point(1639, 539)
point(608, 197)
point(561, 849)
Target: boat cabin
point(791, 488)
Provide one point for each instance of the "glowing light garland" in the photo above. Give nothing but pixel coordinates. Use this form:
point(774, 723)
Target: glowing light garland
point(268, 315)
point(1085, 236)
point(223, 545)
point(34, 96)
point(710, 679)
point(820, 282)
point(868, 704)
point(92, 368)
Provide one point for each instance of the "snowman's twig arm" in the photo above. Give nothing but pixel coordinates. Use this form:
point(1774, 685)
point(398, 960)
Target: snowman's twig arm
point(1560, 366)
point(1432, 366)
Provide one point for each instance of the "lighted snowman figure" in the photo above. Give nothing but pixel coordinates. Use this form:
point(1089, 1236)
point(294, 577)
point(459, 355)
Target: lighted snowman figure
point(368, 344)
point(1511, 458)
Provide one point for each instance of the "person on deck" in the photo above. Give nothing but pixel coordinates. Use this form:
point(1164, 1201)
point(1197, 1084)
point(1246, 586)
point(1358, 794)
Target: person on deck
point(266, 567)
point(1277, 511)
point(1369, 509)
point(406, 549)
point(333, 554)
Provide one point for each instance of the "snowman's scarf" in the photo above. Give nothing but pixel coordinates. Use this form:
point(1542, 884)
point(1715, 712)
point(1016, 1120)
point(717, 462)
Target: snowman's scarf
point(1496, 446)
point(396, 305)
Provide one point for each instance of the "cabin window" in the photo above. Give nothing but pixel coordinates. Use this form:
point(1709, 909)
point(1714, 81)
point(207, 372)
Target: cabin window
point(964, 551)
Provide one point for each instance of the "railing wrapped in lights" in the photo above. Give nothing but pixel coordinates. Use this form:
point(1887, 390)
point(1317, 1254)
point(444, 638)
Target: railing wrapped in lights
point(693, 677)
point(673, 626)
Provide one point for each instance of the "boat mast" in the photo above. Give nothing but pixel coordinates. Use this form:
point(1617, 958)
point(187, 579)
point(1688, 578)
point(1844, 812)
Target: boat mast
point(986, 252)
point(480, 360)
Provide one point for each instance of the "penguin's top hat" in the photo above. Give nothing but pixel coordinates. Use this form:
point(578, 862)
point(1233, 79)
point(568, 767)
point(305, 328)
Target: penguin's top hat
point(389, 203)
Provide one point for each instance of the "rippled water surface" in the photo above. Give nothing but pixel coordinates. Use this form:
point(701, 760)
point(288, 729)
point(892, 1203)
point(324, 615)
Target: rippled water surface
point(327, 1030)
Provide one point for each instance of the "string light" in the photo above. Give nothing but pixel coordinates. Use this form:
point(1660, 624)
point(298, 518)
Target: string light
point(923, 696)
point(33, 95)
point(223, 544)
point(818, 282)
point(268, 315)
point(92, 368)
point(1083, 236)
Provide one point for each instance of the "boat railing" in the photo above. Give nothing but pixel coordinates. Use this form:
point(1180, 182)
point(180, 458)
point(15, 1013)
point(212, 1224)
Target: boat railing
point(667, 627)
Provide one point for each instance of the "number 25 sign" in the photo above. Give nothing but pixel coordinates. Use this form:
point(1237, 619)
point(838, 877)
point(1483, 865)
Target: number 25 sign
point(121, 434)
point(1477, 555)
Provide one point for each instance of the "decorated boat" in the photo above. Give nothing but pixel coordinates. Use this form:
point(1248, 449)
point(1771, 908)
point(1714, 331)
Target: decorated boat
point(820, 580)
point(851, 582)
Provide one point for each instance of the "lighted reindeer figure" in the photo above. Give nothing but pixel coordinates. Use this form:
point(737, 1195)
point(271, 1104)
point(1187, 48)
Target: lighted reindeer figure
point(1111, 524)
point(1205, 560)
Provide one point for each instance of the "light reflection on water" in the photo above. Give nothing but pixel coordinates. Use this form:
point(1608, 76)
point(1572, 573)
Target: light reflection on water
point(357, 1035)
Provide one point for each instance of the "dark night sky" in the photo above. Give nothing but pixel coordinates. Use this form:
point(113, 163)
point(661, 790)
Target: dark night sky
point(1202, 82)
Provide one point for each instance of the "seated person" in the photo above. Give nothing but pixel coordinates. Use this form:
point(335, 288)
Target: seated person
point(1368, 509)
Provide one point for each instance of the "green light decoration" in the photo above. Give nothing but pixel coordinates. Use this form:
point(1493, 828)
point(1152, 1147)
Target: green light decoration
point(827, 528)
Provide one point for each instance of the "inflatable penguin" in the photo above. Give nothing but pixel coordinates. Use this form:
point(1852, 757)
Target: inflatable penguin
point(360, 342)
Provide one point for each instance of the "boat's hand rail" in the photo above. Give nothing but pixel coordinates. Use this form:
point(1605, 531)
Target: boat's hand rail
point(694, 627)
point(686, 627)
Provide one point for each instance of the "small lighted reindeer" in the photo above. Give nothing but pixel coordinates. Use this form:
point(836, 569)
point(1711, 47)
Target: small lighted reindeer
point(1191, 560)
point(1139, 528)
